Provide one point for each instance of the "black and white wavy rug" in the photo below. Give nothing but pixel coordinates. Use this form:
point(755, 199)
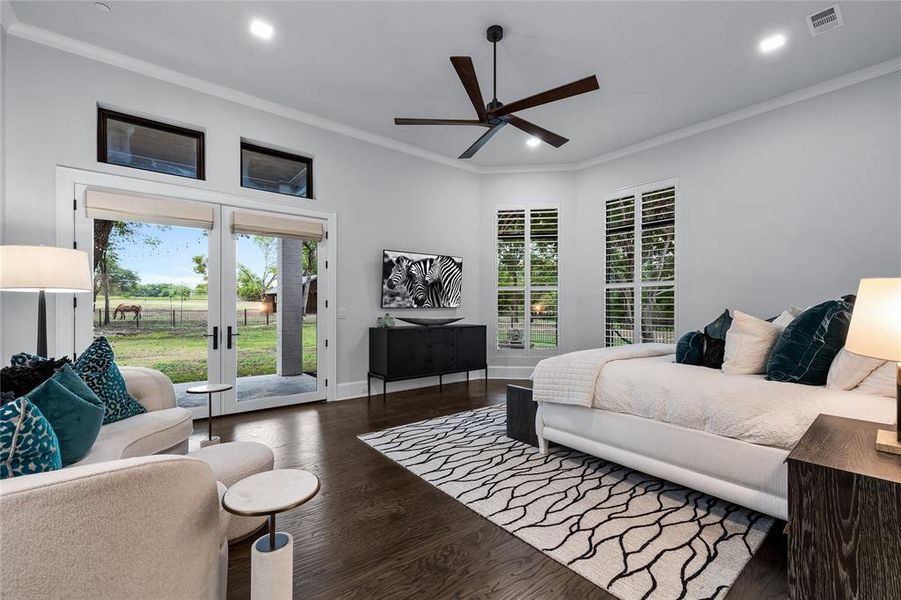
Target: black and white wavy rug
point(634, 535)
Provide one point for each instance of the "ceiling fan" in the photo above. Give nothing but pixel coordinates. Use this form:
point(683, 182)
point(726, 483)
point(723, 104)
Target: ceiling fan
point(495, 115)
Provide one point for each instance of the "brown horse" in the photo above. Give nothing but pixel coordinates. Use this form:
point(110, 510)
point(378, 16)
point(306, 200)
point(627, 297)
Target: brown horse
point(127, 308)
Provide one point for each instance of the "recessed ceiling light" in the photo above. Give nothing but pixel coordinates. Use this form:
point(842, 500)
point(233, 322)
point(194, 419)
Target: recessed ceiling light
point(771, 43)
point(533, 142)
point(103, 6)
point(261, 29)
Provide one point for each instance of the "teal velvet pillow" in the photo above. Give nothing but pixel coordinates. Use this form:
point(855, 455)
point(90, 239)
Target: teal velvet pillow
point(75, 422)
point(806, 348)
point(69, 379)
point(28, 443)
point(97, 367)
point(690, 348)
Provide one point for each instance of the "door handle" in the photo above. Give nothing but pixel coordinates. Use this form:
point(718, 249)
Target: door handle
point(215, 336)
point(229, 335)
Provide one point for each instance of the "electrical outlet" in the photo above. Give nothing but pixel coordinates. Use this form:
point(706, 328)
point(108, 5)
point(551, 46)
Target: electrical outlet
point(342, 313)
point(362, 389)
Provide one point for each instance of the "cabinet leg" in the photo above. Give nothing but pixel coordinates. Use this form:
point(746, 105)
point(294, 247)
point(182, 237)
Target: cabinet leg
point(486, 378)
point(467, 378)
point(384, 391)
point(368, 388)
point(440, 384)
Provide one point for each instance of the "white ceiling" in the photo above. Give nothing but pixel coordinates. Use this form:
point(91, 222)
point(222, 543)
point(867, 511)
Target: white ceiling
point(662, 65)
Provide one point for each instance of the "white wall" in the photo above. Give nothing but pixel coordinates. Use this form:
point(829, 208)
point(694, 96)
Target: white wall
point(790, 207)
point(383, 198)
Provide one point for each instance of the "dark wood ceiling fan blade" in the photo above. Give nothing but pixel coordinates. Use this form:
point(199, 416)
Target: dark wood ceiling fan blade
point(401, 121)
point(532, 129)
point(589, 84)
point(483, 140)
point(467, 74)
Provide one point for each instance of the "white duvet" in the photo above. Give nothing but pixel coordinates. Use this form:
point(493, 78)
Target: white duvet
point(745, 407)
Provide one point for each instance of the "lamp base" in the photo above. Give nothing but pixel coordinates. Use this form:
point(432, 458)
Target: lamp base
point(887, 441)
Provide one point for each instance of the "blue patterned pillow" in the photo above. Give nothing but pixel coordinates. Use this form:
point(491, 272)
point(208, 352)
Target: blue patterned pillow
point(97, 367)
point(808, 345)
point(26, 358)
point(28, 443)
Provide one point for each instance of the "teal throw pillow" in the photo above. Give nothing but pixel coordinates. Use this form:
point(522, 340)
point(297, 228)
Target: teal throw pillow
point(97, 367)
point(690, 348)
point(28, 443)
point(69, 379)
point(807, 346)
point(75, 422)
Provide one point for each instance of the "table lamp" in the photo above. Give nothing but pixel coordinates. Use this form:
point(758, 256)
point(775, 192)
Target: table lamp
point(876, 331)
point(44, 269)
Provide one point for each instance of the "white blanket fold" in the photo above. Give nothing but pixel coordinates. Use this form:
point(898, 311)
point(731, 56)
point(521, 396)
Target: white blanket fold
point(571, 378)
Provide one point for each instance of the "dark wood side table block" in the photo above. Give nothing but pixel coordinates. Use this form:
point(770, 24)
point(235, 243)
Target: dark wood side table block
point(521, 410)
point(844, 506)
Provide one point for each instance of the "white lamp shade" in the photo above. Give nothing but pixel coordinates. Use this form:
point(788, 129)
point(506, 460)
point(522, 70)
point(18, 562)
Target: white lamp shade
point(47, 268)
point(876, 321)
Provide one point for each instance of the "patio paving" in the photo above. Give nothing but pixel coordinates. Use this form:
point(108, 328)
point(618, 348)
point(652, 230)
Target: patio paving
point(252, 387)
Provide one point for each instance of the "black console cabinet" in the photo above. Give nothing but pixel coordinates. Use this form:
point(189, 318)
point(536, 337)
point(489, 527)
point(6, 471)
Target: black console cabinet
point(397, 353)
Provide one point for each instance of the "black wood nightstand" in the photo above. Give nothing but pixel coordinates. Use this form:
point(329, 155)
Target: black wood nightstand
point(521, 410)
point(844, 507)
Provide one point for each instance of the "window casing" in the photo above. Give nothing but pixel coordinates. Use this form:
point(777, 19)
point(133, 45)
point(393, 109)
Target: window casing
point(276, 171)
point(640, 264)
point(140, 143)
point(527, 259)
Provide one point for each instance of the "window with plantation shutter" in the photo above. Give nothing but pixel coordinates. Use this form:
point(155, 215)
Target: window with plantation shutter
point(640, 265)
point(527, 278)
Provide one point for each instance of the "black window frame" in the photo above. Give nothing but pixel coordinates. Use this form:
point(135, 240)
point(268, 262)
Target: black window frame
point(105, 114)
point(253, 147)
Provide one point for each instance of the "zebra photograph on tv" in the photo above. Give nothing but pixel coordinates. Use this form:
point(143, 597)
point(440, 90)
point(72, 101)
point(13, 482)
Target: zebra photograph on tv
point(415, 280)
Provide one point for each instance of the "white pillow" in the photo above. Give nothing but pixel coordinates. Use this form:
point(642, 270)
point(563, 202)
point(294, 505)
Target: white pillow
point(880, 382)
point(749, 342)
point(849, 369)
point(788, 315)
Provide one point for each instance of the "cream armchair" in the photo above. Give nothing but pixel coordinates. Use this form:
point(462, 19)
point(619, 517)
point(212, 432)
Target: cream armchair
point(148, 527)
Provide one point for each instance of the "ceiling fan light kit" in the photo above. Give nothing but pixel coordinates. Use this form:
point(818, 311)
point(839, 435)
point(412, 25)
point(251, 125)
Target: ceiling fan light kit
point(495, 114)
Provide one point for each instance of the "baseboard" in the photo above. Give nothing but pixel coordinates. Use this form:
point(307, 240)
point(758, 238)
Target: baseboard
point(357, 389)
point(510, 372)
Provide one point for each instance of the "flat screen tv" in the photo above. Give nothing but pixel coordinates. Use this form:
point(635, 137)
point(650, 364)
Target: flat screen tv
point(417, 280)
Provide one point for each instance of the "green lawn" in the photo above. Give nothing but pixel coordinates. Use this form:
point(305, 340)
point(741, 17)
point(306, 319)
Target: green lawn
point(182, 353)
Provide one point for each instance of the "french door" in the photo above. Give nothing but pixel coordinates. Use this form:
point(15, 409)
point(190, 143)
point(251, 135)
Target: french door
point(208, 292)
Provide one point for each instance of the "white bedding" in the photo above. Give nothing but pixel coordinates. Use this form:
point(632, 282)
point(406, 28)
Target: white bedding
point(571, 378)
point(745, 407)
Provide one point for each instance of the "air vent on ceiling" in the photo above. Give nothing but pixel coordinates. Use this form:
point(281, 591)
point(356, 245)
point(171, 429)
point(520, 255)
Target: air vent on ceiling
point(825, 20)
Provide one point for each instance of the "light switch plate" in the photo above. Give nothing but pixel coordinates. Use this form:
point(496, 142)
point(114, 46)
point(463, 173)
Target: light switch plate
point(342, 313)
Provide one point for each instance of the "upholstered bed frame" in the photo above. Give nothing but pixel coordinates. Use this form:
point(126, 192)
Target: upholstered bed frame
point(751, 475)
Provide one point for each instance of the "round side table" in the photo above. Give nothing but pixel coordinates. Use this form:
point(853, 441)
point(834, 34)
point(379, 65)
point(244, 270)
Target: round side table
point(209, 389)
point(272, 557)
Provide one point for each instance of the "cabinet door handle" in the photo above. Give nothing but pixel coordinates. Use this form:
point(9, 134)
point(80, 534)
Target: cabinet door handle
point(215, 336)
point(228, 337)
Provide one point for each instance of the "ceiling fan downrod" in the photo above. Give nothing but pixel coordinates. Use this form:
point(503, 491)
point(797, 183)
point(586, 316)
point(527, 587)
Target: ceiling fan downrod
point(495, 34)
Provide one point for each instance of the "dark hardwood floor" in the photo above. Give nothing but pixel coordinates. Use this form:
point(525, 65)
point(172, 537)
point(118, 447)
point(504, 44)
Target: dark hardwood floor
point(377, 531)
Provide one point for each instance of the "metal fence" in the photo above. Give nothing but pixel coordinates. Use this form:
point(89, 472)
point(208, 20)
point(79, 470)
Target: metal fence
point(177, 318)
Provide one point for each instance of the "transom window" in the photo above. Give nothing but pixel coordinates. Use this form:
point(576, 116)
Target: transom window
point(149, 145)
point(276, 171)
point(640, 293)
point(527, 278)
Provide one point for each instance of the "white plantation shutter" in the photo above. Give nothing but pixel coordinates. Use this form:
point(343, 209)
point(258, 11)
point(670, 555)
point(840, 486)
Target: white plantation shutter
point(639, 299)
point(527, 278)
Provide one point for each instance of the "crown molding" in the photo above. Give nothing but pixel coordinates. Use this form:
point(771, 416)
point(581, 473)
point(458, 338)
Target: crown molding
point(117, 59)
point(123, 61)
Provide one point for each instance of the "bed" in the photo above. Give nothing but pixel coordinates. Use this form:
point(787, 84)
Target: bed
point(725, 435)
